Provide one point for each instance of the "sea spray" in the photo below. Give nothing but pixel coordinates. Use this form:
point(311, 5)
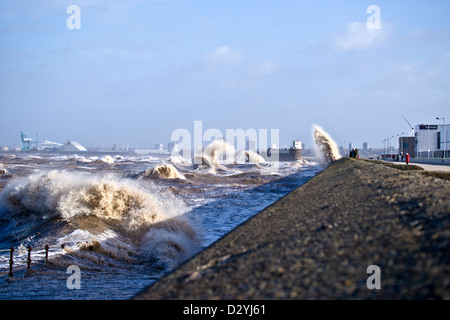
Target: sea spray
point(249, 157)
point(178, 160)
point(325, 148)
point(107, 159)
point(113, 217)
point(3, 171)
point(215, 154)
point(163, 171)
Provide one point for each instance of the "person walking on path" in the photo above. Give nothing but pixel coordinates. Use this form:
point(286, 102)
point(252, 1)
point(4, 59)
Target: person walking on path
point(407, 158)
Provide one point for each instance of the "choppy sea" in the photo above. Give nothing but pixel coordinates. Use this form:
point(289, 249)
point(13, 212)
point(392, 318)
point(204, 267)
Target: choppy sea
point(123, 220)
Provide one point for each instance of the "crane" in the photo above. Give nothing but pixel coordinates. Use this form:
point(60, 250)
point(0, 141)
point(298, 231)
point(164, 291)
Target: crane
point(412, 128)
point(27, 143)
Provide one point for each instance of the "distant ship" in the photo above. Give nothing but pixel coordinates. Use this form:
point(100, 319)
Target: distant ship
point(293, 153)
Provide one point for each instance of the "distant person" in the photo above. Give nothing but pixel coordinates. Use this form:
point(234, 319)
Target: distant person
point(407, 158)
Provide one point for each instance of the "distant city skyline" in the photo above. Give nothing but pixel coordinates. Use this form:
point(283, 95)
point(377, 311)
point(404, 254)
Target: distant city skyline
point(134, 71)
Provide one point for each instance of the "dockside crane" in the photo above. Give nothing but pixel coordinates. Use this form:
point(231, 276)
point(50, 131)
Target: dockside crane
point(412, 128)
point(27, 143)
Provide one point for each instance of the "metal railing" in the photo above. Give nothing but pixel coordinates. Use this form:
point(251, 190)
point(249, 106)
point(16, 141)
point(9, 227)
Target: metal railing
point(39, 255)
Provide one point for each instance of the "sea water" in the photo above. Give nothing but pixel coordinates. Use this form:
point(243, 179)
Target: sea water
point(123, 220)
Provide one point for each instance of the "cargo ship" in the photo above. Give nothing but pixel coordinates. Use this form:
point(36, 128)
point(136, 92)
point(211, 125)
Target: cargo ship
point(293, 153)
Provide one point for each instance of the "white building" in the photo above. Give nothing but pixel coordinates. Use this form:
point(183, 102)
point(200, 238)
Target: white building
point(49, 145)
point(431, 140)
point(73, 146)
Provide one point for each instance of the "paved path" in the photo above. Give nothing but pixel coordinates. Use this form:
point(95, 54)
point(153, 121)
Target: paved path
point(318, 242)
point(432, 167)
point(428, 167)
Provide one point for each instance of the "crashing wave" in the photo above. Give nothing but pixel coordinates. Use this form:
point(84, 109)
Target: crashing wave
point(215, 155)
point(107, 159)
point(326, 149)
point(163, 171)
point(152, 225)
point(3, 171)
point(249, 157)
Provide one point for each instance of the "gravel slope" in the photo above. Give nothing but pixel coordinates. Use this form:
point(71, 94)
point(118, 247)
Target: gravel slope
point(318, 241)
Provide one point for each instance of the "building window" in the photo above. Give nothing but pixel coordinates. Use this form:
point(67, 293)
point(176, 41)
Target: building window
point(438, 140)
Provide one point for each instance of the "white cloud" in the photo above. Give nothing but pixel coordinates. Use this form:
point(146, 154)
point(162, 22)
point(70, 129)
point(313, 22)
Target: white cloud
point(229, 63)
point(222, 55)
point(357, 36)
point(264, 68)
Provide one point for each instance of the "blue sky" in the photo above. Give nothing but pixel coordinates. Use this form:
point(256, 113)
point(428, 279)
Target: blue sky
point(137, 70)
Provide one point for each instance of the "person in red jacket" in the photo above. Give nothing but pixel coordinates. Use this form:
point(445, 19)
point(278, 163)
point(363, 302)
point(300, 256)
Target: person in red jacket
point(407, 158)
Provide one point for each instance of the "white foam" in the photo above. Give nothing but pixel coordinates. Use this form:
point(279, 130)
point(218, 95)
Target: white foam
point(325, 148)
point(167, 171)
point(107, 159)
point(249, 156)
point(126, 211)
point(179, 160)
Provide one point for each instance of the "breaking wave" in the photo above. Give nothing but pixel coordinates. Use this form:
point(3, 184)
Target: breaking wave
point(107, 159)
point(215, 154)
point(3, 171)
point(250, 157)
point(325, 148)
point(179, 160)
point(163, 171)
point(116, 218)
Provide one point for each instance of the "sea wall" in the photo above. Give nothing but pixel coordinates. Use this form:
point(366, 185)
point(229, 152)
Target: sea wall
point(323, 240)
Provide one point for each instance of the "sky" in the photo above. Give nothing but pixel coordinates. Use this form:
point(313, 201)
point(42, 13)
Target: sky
point(135, 71)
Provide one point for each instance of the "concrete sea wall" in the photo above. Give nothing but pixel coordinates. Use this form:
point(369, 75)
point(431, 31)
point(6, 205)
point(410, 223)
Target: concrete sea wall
point(323, 240)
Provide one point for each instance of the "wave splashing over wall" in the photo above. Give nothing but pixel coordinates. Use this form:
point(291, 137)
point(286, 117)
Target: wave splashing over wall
point(325, 148)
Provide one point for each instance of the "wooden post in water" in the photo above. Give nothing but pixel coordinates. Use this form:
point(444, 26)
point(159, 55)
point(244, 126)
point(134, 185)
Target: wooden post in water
point(46, 253)
point(11, 261)
point(29, 257)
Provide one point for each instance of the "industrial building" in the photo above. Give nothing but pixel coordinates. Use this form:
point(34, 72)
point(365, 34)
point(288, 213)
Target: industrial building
point(28, 144)
point(407, 145)
point(72, 146)
point(431, 140)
